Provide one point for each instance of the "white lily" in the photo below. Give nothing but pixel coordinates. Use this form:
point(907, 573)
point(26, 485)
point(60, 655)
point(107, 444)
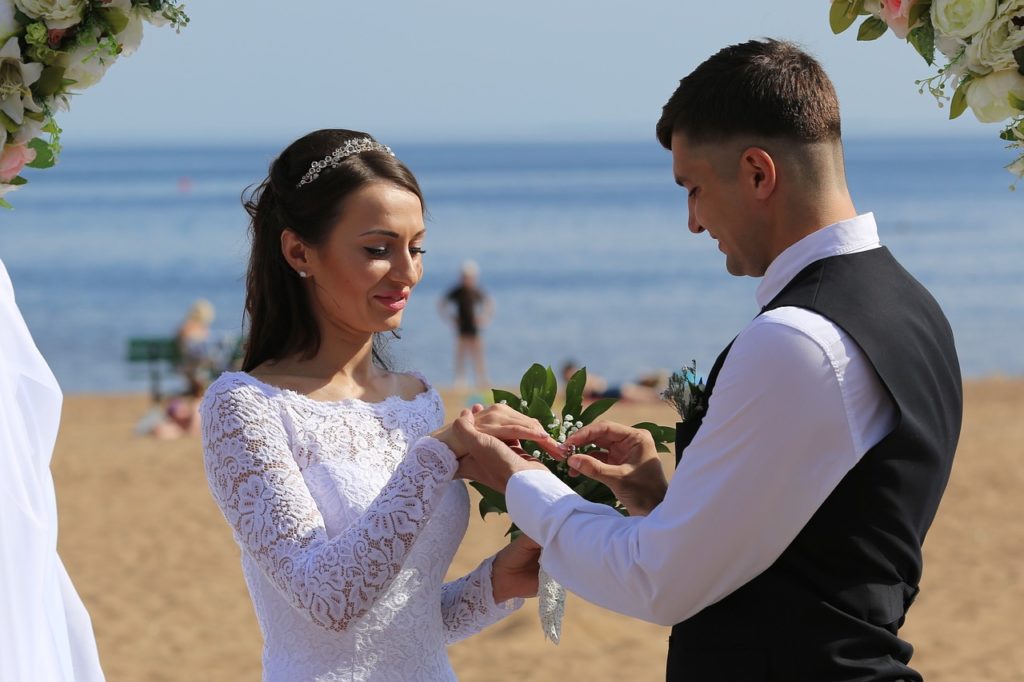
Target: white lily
point(9, 25)
point(15, 78)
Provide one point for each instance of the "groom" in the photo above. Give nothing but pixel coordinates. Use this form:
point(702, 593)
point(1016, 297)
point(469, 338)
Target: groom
point(788, 545)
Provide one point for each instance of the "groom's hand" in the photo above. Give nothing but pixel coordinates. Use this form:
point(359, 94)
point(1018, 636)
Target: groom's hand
point(489, 460)
point(630, 465)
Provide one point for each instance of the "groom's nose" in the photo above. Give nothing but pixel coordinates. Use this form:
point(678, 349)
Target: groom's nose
point(691, 217)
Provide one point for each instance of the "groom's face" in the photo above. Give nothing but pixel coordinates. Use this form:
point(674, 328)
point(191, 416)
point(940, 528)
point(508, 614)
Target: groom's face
point(716, 202)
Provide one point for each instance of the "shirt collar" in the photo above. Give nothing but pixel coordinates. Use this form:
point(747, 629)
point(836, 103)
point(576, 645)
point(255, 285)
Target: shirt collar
point(847, 236)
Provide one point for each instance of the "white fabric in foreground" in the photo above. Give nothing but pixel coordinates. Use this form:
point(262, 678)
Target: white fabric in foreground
point(45, 631)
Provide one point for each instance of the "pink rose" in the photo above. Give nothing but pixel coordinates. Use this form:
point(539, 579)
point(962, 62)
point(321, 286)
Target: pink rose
point(54, 36)
point(896, 13)
point(13, 159)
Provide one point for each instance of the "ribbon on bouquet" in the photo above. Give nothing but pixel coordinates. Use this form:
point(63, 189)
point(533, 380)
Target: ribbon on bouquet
point(551, 605)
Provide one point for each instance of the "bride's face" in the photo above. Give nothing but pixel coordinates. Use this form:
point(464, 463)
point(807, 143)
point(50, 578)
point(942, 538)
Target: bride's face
point(363, 275)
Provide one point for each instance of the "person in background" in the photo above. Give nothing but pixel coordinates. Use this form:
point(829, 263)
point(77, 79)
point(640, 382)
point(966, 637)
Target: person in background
point(469, 309)
point(180, 417)
point(647, 388)
point(198, 356)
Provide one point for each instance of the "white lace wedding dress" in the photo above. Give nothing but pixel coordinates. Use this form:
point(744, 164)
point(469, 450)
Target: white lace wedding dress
point(348, 516)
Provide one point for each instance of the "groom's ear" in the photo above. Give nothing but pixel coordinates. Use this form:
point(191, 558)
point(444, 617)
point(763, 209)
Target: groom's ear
point(758, 172)
point(295, 251)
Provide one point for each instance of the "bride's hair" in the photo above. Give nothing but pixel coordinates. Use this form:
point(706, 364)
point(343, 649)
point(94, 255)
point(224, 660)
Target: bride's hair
point(280, 317)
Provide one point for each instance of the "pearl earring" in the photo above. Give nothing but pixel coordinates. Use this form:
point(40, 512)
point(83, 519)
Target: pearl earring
point(303, 274)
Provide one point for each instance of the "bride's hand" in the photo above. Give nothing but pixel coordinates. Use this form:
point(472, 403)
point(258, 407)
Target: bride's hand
point(514, 572)
point(454, 435)
point(510, 427)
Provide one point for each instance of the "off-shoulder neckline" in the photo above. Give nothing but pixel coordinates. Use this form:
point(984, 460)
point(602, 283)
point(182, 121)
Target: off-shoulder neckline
point(269, 389)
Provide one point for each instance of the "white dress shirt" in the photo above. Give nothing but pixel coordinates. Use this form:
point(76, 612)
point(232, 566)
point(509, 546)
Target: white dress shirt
point(45, 631)
point(795, 407)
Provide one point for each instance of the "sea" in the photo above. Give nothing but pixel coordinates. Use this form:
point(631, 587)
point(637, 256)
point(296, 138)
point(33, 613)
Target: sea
point(582, 246)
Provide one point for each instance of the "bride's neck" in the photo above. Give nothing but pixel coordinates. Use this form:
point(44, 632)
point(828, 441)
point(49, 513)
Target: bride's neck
point(343, 359)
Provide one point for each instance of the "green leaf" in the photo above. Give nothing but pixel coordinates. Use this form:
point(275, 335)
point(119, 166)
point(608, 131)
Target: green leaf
point(50, 82)
point(872, 28)
point(8, 123)
point(18, 181)
point(923, 40)
point(918, 11)
point(114, 18)
point(958, 105)
point(842, 14)
point(511, 399)
point(44, 155)
point(490, 500)
point(574, 393)
point(513, 532)
point(5, 204)
point(550, 389)
point(541, 411)
point(1015, 102)
point(596, 409)
point(602, 494)
point(660, 434)
point(586, 487)
point(533, 382)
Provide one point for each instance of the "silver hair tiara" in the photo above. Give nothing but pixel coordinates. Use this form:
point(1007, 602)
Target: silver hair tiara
point(334, 159)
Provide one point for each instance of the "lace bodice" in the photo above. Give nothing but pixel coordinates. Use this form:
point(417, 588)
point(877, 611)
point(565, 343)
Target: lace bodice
point(348, 517)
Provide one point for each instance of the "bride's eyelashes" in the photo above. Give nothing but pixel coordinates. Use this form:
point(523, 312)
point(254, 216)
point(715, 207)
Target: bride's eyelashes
point(383, 251)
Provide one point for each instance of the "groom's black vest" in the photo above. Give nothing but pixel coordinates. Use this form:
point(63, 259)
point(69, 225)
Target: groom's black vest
point(829, 608)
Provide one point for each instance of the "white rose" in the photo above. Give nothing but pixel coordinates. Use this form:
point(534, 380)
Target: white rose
point(55, 13)
point(155, 18)
point(131, 37)
point(8, 24)
point(997, 96)
point(961, 18)
point(86, 65)
point(992, 48)
point(949, 46)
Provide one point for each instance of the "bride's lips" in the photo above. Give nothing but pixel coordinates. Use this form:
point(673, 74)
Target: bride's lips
point(393, 300)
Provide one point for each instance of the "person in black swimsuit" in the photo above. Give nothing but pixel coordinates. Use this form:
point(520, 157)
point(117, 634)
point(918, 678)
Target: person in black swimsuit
point(468, 309)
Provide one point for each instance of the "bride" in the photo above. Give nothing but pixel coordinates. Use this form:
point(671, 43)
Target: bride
point(336, 474)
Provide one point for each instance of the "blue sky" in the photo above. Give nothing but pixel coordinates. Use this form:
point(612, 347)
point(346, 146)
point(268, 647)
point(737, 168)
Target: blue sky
point(261, 71)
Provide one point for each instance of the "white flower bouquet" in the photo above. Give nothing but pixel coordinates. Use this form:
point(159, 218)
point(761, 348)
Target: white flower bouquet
point(51, 50)
point(983, 45)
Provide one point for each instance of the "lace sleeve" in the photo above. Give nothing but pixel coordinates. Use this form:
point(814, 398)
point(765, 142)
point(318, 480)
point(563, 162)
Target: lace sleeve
point(261, 492)
point(467, 604)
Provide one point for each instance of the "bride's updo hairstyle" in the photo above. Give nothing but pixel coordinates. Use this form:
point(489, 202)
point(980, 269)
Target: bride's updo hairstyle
point(305, 191)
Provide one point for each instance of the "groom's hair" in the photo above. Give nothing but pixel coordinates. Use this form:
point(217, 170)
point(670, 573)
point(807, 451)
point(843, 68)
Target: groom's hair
point(765, 88)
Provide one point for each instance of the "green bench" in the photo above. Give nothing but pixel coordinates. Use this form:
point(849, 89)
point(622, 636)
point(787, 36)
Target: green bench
point(160, 354)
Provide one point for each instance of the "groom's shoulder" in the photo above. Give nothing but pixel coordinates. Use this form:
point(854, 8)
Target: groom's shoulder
point(789, 322)
point(797, 337)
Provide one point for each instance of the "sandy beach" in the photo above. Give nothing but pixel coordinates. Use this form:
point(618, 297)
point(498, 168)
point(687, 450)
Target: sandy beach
point(156, 565)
